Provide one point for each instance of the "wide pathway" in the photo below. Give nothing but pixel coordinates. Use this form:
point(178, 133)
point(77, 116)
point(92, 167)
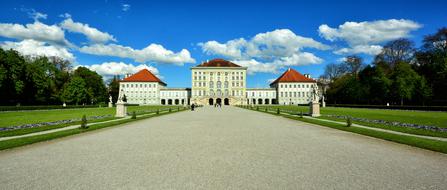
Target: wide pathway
point(221, 148)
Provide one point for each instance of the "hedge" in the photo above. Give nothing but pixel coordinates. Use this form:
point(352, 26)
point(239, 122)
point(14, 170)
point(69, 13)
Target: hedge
point(393, 107)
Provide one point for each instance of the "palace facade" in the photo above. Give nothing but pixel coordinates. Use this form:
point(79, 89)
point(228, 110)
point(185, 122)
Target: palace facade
point(217, 81)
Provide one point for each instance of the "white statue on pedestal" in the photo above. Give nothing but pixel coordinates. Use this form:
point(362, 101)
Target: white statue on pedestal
point(314, 105)
point(110, 102)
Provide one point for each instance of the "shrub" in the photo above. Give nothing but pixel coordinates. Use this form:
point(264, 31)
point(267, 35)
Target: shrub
point(301, 114)
point(278, 111)
point(84, 122)
point(266, 110)
point(157, 112)
point(257, 108)
point(170, 109)
point(348, 121)
point(134, 115)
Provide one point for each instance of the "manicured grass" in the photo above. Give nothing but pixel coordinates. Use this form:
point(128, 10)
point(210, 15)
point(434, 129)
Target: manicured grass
point(46, 137)
point(38, 116)
point(439, 146)
point(438, 119)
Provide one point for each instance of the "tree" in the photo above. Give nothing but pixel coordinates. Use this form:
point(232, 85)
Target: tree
point(353, 64)
point(75, 91)
point(12, 67)
point(375, 85)
point(400, 50)
point(436, 42)
point(114, 88)
point(94, 84)
point(333, 71)
point(404, 81)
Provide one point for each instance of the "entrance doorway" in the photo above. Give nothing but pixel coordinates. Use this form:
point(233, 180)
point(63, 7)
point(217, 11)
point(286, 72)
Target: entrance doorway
point(163, 102)
point(211, 101)
point(226, 101)
point(219, 101)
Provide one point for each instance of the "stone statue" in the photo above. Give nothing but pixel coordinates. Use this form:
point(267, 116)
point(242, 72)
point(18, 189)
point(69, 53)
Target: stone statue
point(315, 93)
point(110, 99)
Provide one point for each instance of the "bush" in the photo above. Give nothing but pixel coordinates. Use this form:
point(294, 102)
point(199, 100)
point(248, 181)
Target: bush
point(170, 110)
point(392, 107)
point(134, 115)
point(301, 114)
point(348, 121)
point(44, 107)
point(84, 122)
point(157, 112)
point(278, 111)
point(257, 108)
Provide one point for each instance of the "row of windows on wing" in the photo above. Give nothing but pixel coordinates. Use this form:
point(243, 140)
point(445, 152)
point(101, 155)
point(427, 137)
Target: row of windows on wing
point(217, 93)
point(294, 94)
point(218, 84)
point(199, 73)
point(175, 94)
point(218, 77)
point(295, 85)
point(261, 94)
point(138, 85)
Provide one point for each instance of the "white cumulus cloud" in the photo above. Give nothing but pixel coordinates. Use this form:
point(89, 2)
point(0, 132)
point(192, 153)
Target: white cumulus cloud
point(151, 53)
point(366, 37)
point(125, 7)
point(32, 47)
point(267, 52)
point(91, 33)
point(110, 69)
point(36, 31)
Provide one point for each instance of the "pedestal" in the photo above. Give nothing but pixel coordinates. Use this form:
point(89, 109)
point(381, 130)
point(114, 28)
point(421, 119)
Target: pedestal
point(314, 109)
point(323, 104)
point(121, 109)
point(110, 104)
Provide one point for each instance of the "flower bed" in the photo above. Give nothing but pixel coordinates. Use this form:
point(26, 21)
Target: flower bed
point(34, 125)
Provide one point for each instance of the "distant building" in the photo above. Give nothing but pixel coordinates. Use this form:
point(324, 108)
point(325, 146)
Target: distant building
point(217, 81)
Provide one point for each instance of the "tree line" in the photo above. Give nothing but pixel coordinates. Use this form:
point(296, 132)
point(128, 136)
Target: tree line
point(400, 75)
point(26, 80)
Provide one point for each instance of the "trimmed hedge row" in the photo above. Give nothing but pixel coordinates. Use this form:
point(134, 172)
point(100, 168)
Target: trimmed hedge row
point(393, 107)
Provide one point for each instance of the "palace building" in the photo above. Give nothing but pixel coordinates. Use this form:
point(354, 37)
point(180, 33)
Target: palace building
point(217, 82)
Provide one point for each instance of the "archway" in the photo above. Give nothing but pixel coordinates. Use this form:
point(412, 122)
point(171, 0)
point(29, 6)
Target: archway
point(253, 101)
point(163, 102)
point(218, 101)
point(226, 101)
point(211, 101)
point(274, 101)
point(259, 101)
point(183, 101)
point(266, 101)
point(169, 101)
point(176, 101)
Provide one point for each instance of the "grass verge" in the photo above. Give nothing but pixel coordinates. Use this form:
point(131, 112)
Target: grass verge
point(439, 146)
point(7, 144)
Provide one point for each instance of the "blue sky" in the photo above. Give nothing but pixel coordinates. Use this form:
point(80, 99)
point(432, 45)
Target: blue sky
point(168, 37)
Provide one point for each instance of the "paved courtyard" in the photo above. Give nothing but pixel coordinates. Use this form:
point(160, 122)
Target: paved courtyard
point(221, 148)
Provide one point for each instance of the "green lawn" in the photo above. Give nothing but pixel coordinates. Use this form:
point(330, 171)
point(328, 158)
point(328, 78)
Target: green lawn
point(439, 146)
point(37, 116)
point(438, 119)
point(46, 137)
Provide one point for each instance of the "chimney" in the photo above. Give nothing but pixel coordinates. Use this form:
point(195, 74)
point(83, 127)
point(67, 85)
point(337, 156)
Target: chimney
point(307, 75)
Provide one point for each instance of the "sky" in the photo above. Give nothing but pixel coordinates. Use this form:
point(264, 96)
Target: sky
point(169, 37)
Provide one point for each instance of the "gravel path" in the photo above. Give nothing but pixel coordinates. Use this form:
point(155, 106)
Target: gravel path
point(227, 148)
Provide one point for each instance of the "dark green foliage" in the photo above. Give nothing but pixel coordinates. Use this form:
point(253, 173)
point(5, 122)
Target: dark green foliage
point(114, 88)
point(134, 115)
point(46, 80)
point(84, 122)
point(157, 112)
point(170, 110)
point(301, 114)
point(348, 121)
point(257, 108)
point(278, 111)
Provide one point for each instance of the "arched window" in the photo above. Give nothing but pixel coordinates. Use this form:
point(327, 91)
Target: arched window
point(219, 85)
point(226, 84)
point(211, 84)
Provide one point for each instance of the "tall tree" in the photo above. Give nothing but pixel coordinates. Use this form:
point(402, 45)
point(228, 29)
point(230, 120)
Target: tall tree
point(12, 65)
point(94, 84)
point(400, 50)
point(333, 71)
point(353, 64)
point(114, 88)
point(404, 81)
point(75, 91)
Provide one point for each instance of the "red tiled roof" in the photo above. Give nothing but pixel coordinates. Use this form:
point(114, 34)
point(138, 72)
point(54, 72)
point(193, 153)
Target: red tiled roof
point(292, 76)
point(218, 63)
point(143, 76)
